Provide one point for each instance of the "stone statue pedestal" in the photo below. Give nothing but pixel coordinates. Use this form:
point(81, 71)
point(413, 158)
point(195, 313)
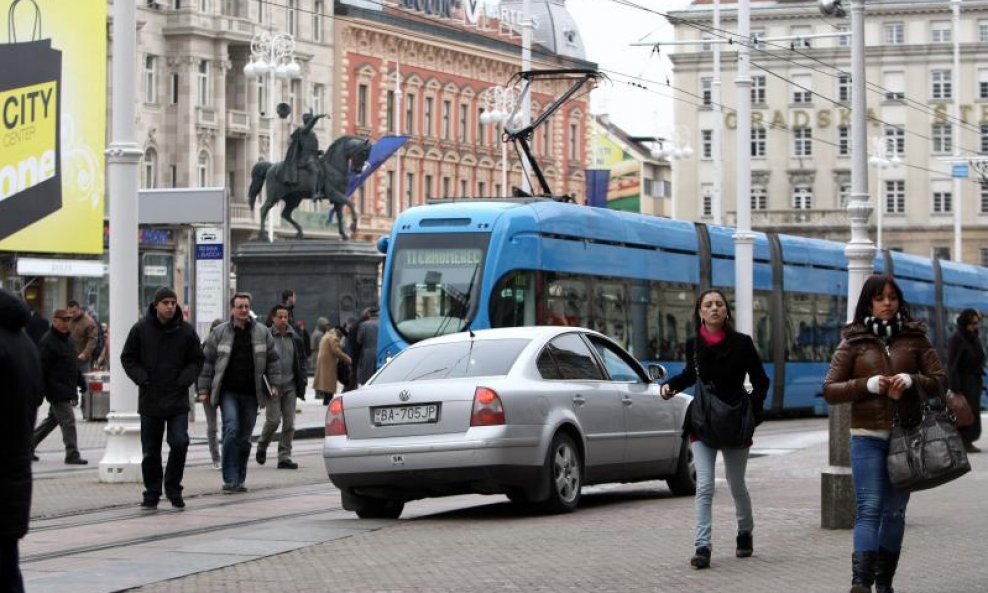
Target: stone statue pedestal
point(331, 278)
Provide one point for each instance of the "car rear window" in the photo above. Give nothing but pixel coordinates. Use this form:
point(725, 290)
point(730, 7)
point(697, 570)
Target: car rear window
point(468, 358)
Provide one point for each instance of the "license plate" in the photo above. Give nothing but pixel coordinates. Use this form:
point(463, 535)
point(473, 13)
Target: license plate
point(418, 414)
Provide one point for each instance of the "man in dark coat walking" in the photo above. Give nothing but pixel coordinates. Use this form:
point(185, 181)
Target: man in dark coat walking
point(20, 397)
point(62, 384)
point(163, 357)
point(367, 346)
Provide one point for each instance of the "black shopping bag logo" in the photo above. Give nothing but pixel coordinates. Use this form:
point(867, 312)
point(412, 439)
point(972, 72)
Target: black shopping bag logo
point(30, 142)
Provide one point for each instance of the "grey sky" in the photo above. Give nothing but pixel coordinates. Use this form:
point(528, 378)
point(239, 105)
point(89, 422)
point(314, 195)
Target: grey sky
point(608, 29)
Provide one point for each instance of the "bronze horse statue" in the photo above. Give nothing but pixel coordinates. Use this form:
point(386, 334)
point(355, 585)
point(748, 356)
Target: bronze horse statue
point(347, 154)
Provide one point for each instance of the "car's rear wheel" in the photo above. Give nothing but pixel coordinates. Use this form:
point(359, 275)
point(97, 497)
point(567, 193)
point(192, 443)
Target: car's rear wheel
point(373, 508)
point(683, 483)
point(564, 470)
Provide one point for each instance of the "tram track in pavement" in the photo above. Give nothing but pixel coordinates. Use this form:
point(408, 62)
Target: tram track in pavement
point(124, 515)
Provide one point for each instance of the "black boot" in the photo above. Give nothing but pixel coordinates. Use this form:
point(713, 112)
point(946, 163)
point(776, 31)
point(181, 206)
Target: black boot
point(863, 571)
point(885, 567)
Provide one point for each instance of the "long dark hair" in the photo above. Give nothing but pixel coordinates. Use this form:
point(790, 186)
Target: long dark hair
point(872, 288)
point(728, 320)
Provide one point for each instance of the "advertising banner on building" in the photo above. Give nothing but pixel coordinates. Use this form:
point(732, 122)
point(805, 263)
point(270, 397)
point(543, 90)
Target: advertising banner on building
point(52, 125)
point(624, 186)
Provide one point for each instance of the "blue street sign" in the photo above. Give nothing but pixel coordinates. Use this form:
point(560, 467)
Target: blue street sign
point(960, 170)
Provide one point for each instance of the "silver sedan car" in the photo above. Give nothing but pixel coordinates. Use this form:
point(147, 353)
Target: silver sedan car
point(534, 413)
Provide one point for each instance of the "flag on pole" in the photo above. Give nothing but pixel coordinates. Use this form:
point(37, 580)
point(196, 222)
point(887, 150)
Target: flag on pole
point(597, 182)
point(380, 152)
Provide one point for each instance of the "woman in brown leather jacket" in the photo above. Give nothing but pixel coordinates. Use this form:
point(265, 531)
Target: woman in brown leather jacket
point(883, 357)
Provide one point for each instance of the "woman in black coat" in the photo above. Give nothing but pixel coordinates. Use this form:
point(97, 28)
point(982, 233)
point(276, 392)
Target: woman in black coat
point(965, 368)
point(724, 357)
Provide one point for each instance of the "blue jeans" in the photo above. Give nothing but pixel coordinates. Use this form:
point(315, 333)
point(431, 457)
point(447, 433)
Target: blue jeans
point(881, 509)
point(153, 429)
point(735, 463)
point(239, 415)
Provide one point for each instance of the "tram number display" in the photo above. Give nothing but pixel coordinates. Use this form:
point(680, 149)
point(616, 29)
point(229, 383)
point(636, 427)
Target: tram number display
point(392, 415)
point(441, 257)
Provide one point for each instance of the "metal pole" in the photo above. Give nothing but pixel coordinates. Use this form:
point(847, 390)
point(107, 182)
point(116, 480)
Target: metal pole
point(526, 65)
point(504, 164)
point(744, 240)
point(718, 202)
point(273, 125)
point(122, 458)
point(398, 131)
point(955, 5)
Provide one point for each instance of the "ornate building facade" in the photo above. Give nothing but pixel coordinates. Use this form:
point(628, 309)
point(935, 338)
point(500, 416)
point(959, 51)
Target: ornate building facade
point(801, 118)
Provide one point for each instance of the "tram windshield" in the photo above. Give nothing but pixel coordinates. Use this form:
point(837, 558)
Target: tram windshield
point(435, 283)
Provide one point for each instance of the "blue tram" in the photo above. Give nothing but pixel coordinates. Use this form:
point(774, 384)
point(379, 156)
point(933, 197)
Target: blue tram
point(500, 263)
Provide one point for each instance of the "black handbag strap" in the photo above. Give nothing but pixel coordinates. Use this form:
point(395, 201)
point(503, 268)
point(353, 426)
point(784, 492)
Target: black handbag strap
point(12, 28)
point(926, 406)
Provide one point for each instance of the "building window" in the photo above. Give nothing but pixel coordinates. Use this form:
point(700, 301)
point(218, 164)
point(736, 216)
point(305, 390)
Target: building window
point(574, 132)
point(173, 89)
point(759, 197)
point(983, 31)
point(941, 253)
point(758, 142)
point(843, 195)
point(462, 130)
point(481, 128)
point(707, 190)
point(895, 196)
point(758, 89)
point(706, 45)
point(942, 138)
point(706, 89)
point(481, 189)
point(291, 17)
point(295, 95)
point(318, 92)
point(844, 87)
point(172, 176)
point(446, 188)
point(983, 83)
point(940, 32)
point(362, 105)
point(463, 188)
point(844, 40)
point(984, 256)
point(259, 9)
point(983, 201)
point(895, 85)
point(895, 34)
point(427, 116)
point(984, 138)
point(843, 140)
point(409, 189)
point(428, 187)
point(802, 88)
point(204, 5)
point(150, 172)
point(317, 8)
point(262, 93)
point(546, 135)
point(445, 120)
point(150, 79)
point(708, 143)
point(941, 84)
point(942, 202)
point(801, 34)
point(389, 204)
point(390, 115)
point(203, 80)
point(802, 197)
point(802, 142)
point(898, 134)
point(202, 169)
point(410, 113)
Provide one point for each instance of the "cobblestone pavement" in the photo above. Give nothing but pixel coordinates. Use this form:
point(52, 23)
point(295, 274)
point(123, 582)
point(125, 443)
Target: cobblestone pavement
point(627, 538)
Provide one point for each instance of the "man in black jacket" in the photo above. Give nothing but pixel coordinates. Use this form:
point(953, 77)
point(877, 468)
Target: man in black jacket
point(19, 397)
point(62, 384)
point(163, 357)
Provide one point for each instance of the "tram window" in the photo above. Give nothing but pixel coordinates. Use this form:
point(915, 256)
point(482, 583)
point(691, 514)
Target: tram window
point(812, 326)
point(609, 313)
point(513, 300)
point(670, 319)
point(565, 300)
point(927, 315)
point(762, 323)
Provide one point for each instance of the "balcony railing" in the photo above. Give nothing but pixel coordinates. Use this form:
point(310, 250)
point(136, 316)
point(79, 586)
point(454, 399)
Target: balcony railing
point(237, 121)
point(772, 219)
point(206, 116)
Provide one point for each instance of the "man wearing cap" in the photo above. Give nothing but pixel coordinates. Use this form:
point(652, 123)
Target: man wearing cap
point(163, 357)
point(62, 382)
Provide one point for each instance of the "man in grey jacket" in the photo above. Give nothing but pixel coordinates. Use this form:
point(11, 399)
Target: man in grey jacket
point(240, 373)
point(293, 382)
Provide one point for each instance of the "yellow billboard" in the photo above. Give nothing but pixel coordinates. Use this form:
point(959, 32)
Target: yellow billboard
point(52, 125)
point(624, 189)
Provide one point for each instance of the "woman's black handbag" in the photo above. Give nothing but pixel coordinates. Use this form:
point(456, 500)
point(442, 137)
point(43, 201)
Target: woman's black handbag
point(928, 454)
point(721, 425)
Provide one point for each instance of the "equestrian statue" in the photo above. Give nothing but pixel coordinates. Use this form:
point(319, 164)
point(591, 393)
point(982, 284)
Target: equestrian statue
point(310, 173)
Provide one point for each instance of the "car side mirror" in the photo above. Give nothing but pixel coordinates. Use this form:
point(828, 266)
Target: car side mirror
point(657, 372)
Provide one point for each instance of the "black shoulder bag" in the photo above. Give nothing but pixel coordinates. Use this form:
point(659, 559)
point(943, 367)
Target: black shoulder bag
point(721, 425)
point(928, 454)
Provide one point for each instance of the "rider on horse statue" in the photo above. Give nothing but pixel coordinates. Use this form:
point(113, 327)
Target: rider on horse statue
point(300, 161)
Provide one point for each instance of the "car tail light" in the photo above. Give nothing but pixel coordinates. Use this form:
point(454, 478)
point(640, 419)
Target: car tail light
point(335, 422)
point(95, 386)
point(487, 408)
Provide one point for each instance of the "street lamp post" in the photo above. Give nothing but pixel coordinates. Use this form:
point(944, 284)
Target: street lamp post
point(955, 6)
point(884, 155)
point(499, 104)
point(272, 54)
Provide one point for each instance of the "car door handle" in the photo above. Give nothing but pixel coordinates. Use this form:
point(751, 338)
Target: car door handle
point(578, 400)
point(627, 401)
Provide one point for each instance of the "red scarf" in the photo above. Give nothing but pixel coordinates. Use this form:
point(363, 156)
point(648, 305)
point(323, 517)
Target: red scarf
point(712, 338)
